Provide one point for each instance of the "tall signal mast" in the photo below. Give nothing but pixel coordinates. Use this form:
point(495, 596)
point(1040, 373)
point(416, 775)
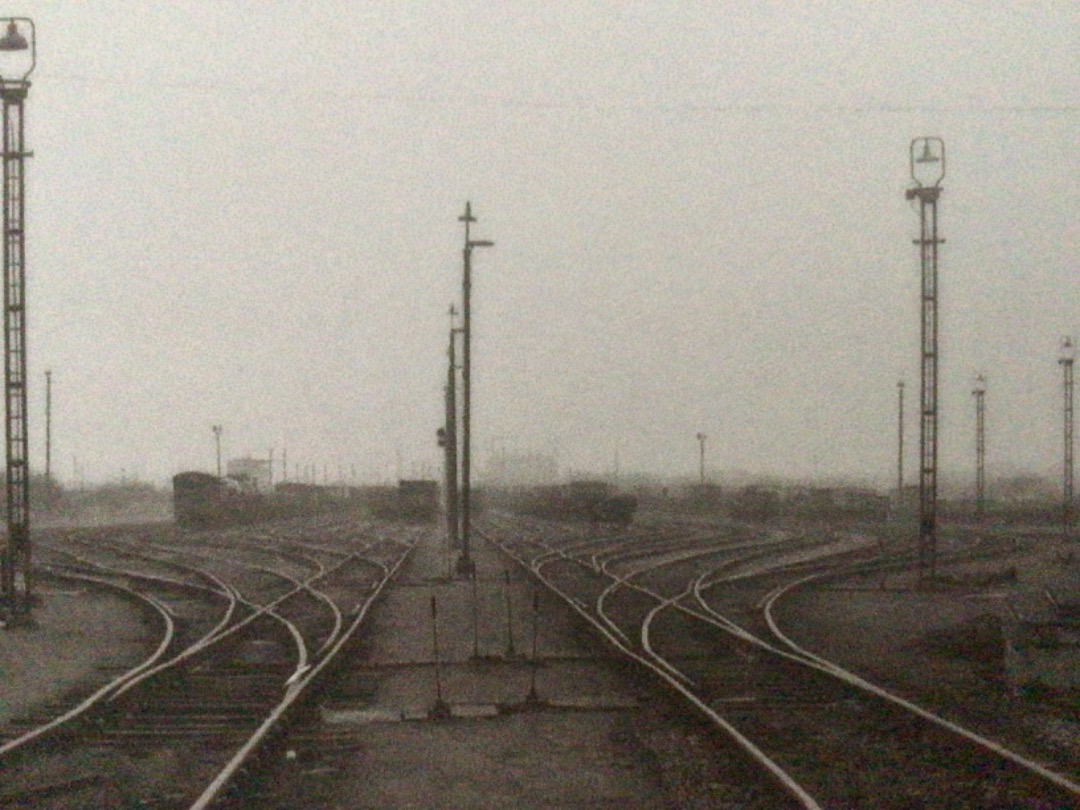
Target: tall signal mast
point(928, 170)
point(17, 58)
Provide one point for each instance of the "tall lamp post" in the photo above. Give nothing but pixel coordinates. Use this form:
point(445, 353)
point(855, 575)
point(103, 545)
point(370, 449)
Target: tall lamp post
point(1066, 357)
point(465, 564)
point(19, 54)
point(979, 392)
point(927, 161)
point(701, 437)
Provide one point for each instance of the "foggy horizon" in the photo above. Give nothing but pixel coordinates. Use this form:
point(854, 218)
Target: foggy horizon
point(248, 218)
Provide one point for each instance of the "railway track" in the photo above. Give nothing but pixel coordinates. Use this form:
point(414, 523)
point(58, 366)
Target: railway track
point(245, 628)
point(820, 735)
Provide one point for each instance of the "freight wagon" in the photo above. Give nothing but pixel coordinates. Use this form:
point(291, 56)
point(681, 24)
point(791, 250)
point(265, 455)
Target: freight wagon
point(202, 500)
point(578, 500)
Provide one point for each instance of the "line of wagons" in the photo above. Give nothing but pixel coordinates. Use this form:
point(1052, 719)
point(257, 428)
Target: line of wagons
point(201, 500)
point(583, 500)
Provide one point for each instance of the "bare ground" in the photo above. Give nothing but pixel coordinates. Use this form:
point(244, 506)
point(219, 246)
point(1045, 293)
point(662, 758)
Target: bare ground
point(622, 755)
point(73, 635)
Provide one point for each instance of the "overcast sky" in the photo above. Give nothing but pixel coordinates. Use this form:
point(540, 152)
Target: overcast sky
point(245, 213)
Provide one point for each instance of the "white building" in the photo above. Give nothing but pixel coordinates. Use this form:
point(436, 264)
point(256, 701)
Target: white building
point(253, 474)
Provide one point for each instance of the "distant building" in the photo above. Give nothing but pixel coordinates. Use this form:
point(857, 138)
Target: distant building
point(522, 470)
point(252, 474)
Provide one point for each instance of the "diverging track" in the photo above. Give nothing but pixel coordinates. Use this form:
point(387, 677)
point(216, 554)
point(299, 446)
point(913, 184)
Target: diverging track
point(247, 623)
point(821, 736)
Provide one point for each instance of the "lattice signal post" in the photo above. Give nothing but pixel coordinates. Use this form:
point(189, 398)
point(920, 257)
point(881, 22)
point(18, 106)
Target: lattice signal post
point(927, 171)
point(17, 58)
point(979, 392)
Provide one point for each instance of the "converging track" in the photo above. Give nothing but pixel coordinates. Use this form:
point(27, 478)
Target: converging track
point(822, 736)
point(246, 623)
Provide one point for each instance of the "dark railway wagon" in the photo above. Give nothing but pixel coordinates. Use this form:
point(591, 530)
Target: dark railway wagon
point(202, 500)
point(415, 501)
point(418, 500)
point(578, 500)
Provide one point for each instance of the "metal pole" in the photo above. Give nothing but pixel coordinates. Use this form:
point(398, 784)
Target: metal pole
point(453, 517)
point(900, 443)
point(701, 464)
point(509, 619)
point(980, 446)
point(48, 427)
point(440, 706)
point(928, 257)
point(475, 616)
point(465, 562)
point(217, 443)
point(1066, 360)
point(16, 557)
point(533, 696)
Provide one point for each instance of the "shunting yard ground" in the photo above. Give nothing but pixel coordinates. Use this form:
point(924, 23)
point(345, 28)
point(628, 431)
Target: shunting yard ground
point(74, 631)
point(592, 738)
point(595, 734)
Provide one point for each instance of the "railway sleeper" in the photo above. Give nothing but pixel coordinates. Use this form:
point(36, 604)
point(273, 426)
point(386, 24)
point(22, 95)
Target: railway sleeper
point(201, 731)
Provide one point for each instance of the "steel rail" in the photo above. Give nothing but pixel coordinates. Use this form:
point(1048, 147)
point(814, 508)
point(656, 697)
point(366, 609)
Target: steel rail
point(130, 679)
point(227, 774)
point(96, 697)
point(223, 629)
point(855, 680)
point(801, 655)
point(646, 640)
point(715, 619)
point(153, 664)
point(794, 652)
point(783, 779)
point(298, 585)
point(624, 580)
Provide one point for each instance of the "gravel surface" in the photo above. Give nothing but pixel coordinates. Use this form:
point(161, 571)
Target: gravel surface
point(616, 746)
point(74, 634)
point(592, 746)
point(947, 648)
